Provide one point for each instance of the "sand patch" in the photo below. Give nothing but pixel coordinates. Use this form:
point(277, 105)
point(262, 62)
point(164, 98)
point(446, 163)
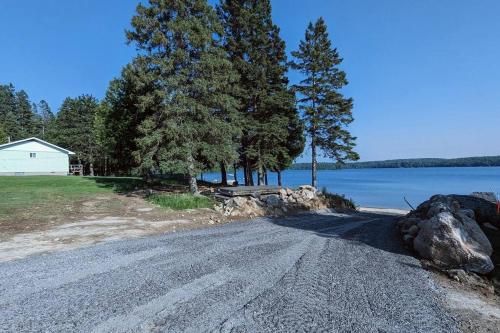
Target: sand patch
point(84, 232)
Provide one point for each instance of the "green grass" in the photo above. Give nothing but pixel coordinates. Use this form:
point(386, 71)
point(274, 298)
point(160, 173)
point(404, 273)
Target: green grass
point(181, 201)
point(22, 193)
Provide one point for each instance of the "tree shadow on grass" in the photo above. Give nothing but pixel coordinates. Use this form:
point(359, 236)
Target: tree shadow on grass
point(375, 230)
point(126, 185)
point(121, 185)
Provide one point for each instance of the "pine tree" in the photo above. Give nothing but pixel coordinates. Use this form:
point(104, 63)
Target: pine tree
point(8, 111)
point(187, 113)
point(294, 146)
point(25, 115)
point(102, 147)
point(20, 117)
point(326, 112)
point(267, 105)
point(3, 135)
point(47, 120)
point(75, 128)
point(122, 117)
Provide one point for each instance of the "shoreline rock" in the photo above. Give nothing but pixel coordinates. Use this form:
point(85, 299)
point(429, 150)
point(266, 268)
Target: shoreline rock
point(444, 230)
point(305, 198)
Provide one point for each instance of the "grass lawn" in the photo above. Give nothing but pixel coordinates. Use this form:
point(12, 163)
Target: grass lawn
point(181, 201)
point(43, 197)
point(23, 193)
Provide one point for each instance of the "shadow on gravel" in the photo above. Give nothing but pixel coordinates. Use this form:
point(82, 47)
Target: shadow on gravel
point(375, 230)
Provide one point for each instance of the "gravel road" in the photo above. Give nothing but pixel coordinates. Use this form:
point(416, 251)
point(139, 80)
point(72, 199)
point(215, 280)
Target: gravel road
point(307, 273)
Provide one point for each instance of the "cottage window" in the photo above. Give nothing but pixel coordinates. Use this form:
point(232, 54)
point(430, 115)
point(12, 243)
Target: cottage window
point(32, 155)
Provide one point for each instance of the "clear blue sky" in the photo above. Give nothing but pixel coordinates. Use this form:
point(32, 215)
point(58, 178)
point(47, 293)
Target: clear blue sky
point(425, 75)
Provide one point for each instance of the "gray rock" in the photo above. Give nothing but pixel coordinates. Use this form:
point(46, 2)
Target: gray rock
point(485, 211)
point(490, 226)
point(413, 231)
point(441, 204)
point(407, 222)
point(488, 196)
point(308, 188)
point(273, 200)
point(458, 275)
point(468, 212)
point(454, 241)
point(408, 239)
point(307, 194)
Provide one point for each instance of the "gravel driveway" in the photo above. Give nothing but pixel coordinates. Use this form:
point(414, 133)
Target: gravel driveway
point(307, 273)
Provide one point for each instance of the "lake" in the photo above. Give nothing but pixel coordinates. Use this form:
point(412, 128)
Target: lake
point(386, 187)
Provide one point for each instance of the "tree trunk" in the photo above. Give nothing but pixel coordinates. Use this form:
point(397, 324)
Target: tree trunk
point(245, 172)
point(265, 177)
point(91, 167)
point(193, 185)
point(148, 178)
point(314, 163)
point(223, 174)
point(249, 174)
point(279, 178)
point(260, 174)
point(235, 175)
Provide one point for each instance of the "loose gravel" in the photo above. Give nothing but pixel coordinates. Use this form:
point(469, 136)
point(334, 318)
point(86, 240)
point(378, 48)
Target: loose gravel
point(307, 273)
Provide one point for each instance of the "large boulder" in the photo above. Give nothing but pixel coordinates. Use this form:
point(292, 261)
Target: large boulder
point(485, 210)
point(443, 230)
point(454, 241)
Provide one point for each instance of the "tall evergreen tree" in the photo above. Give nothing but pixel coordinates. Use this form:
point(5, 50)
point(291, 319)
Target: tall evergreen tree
point(122, 117)
point(75, 128)
point(3, 135)
point(102, 146)
point(8, 111)
point(187, 112)
point(326, 112)
point(25, 115)
point(47, 120)
point(19, 116)
point(258, 53)
point(294, 146)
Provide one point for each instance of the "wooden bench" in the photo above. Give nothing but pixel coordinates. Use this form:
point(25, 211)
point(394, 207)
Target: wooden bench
point(248, 190)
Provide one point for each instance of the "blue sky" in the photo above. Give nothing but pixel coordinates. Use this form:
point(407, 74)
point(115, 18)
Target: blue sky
point(424, 75)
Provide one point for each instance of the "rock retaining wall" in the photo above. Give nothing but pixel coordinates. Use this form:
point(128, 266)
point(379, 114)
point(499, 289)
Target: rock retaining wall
point(305, 198)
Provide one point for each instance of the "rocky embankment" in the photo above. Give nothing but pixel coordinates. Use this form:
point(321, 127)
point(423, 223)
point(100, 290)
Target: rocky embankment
point(288, 201)
point(455, 232)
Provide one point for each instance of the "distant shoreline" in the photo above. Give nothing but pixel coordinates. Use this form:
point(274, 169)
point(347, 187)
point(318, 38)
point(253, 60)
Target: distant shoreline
point(484, 161)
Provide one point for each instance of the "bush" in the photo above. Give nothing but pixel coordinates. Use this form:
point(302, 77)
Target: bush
point(338, 201)
point(181, 201)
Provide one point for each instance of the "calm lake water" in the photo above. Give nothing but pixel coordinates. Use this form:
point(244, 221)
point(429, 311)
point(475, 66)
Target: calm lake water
point(387, 187)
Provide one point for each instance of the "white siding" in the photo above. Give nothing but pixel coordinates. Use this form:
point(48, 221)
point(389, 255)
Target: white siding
point(16, 159)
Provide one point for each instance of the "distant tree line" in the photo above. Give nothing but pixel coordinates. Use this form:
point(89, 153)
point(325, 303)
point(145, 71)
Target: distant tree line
point(484, 161)
point(208, 89)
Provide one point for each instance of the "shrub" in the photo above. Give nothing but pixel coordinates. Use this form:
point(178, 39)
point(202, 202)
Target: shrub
point(181, 201)
point(338, 201)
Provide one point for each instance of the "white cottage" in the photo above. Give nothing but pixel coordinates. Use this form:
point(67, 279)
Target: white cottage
point(33, 156)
